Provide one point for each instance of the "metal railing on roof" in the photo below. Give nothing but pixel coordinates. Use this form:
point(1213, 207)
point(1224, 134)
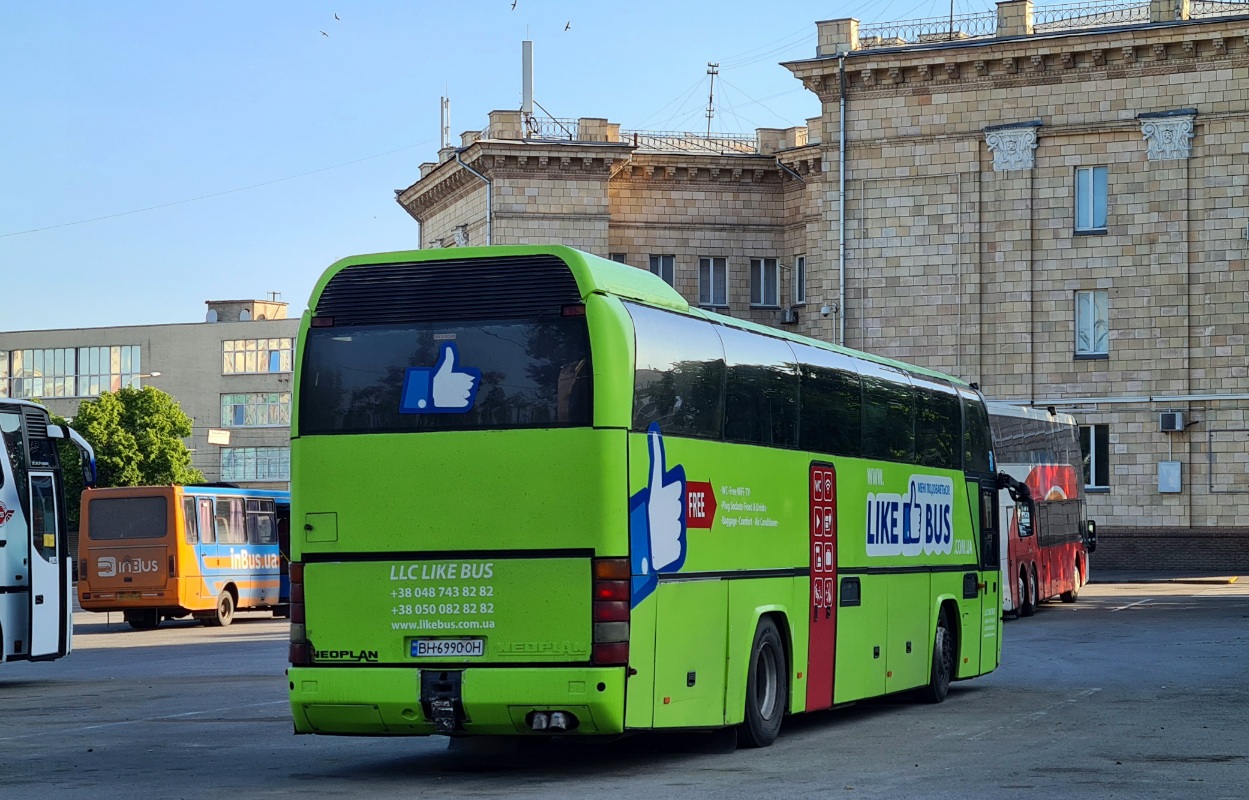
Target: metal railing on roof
point(1201, 9)
point(1047, 19)
point(1088, 15)
point(937, 29)
point(568, 130)
point(679, 142)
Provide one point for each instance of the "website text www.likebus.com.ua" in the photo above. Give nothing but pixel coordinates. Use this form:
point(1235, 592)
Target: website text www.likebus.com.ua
point(440, 625)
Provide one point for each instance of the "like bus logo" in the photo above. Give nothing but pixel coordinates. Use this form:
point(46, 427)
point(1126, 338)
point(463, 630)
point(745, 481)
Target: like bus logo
point(441, 389)
point(657, 521)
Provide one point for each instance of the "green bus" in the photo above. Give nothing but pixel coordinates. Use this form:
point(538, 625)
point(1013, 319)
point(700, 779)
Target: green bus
point(535, 493)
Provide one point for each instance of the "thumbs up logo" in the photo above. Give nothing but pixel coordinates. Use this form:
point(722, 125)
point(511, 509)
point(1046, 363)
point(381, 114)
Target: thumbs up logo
point(657, 521)
point(442, 389)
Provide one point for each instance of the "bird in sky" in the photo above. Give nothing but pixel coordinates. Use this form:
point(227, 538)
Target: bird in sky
point(567, 25)
point(336, 16)
point(513, 5)
point(323, 33)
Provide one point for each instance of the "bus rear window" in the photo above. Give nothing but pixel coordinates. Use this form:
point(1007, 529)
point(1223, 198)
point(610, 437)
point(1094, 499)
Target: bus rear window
point(127, 518)
point(533, 374)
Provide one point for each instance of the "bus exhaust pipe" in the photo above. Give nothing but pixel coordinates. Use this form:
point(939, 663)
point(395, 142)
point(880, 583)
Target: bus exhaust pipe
point(552, 721)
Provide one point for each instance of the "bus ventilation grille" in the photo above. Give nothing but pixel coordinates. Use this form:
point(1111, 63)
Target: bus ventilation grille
point(501, 287)
point(36, 423)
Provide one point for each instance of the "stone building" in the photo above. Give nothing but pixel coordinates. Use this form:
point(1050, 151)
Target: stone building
point(231, 374)
point(1048, 202)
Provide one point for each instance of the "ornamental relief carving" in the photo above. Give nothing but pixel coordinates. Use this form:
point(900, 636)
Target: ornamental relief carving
point(1168, 138)
point(1012, 148)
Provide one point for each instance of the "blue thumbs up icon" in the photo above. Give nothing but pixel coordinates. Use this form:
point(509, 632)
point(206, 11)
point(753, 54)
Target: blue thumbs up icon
point(442, 389)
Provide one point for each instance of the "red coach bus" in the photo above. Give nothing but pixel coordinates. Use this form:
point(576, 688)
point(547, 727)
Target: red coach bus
point(1045, 553)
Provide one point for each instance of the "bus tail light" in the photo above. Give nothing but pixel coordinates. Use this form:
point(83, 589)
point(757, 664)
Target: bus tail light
point(610, 611)
point(173, 572)
point(300, 651)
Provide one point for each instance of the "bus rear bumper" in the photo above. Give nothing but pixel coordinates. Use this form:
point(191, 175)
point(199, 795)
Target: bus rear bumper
point(488, 701)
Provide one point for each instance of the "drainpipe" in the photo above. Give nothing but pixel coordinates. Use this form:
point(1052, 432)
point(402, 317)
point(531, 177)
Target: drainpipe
point(485, 180)
point(841, 205)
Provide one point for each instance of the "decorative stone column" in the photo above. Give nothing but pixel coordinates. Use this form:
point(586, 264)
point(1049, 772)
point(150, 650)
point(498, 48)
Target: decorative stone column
point(1013, 146)
point(1168, 134)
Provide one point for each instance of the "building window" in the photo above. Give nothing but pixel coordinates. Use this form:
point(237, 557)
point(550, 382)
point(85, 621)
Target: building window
point(244, 356)
point(764, 279)
point(800, 280)
point(1095, 449)
point(255, 463)
point(1092, 324)
point(1091, 199)
point(108, 369)
point(619, 258)
point(713, 282)
point(255, 409)
point(4, 373)
point(665, 267)
point(42, 373)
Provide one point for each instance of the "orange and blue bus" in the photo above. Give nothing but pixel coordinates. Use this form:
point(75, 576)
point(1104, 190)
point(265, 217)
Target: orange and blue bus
point(166, 552)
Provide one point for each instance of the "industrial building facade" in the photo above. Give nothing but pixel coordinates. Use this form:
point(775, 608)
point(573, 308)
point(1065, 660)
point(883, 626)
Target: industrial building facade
point(230, 374)
point(1049, 203)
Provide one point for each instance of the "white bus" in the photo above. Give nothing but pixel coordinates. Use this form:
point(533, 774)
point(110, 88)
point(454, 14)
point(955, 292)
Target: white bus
point(36, 600)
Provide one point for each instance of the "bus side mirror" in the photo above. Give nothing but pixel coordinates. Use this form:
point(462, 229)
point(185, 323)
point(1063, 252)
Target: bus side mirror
point(1090, 536)
point(89, 475)
point(1023, 518)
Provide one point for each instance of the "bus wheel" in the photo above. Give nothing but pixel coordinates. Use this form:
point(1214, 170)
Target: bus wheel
point(1071, 596)
point(145, 620)
point(1027, 601)
point(767, 687)
point(942, 671)
point(224, 614)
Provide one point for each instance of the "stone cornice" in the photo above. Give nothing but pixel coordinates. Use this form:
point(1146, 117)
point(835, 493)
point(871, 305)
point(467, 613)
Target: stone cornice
point(1020, 61)
point(502, 159)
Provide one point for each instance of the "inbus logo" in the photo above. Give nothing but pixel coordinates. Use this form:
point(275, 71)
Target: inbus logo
point(6, 514)
point(108, 566)
point(245, 560)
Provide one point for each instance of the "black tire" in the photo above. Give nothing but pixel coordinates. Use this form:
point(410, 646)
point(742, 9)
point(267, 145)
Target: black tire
point(1036, 589)
point(1074, 594)
point(1027, 595)
point(146, 620)
point(943, 656)
point(224, 613)
point(767, 687)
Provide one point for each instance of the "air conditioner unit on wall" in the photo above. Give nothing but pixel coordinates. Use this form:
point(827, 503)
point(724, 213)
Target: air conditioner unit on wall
point(1171, 421)
point(789, 316)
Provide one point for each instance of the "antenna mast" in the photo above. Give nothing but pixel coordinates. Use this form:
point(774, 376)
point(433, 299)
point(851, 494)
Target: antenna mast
point(713, 70)
point(526, 86)
point(446, 122)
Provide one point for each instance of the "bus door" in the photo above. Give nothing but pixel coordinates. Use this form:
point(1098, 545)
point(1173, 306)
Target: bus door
point(989, 583)
point(822, 616)
point(206, 551)
point(49, 578)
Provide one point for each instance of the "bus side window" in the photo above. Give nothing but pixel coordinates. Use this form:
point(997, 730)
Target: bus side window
point(206, 530)
point(189, 534)
point(260, 528)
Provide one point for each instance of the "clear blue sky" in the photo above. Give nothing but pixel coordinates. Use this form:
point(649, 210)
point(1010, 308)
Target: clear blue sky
point(265, 150)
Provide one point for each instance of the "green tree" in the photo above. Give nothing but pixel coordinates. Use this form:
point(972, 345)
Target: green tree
point(137, 435)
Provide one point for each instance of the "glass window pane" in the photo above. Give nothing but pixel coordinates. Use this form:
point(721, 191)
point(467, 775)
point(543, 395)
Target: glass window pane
point(761, 389)
point(888, 414)
point(679, 387)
